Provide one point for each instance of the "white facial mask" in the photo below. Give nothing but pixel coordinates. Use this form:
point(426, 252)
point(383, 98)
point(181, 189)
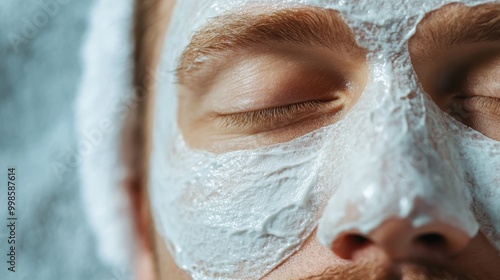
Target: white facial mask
point(238, 215)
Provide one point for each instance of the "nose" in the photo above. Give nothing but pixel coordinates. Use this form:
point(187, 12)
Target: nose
point(398, 240)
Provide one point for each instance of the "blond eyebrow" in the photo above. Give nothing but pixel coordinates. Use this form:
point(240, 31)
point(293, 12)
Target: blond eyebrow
point(456, 24)
point(237, 31)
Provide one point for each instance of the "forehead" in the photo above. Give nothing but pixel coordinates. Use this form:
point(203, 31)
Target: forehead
point(355, 10)
point(378, 22)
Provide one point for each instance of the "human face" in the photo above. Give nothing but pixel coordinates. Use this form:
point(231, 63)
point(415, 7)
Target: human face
point(326, 112)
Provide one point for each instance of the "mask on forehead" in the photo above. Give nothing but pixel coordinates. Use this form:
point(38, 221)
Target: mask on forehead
point(239, 214)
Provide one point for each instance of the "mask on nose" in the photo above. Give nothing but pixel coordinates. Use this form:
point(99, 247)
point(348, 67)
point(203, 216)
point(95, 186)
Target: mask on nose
point(239, 214)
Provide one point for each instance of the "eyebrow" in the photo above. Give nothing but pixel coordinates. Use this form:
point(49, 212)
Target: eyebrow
point(236, 31)
point(456, 24)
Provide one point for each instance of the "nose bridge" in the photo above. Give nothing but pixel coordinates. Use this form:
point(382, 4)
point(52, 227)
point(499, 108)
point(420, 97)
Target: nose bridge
point(396, 168)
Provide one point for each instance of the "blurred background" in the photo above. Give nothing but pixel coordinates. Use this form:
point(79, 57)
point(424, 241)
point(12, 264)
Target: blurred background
point(40, 72)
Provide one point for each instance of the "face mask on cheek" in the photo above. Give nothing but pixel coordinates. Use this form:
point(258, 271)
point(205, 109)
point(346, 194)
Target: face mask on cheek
point(396, 154)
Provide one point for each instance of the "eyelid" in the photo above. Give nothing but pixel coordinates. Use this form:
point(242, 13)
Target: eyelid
point(484, 104)
point(270, 117)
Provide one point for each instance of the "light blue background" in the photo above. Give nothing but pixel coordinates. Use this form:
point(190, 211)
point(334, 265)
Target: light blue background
point(38, 83)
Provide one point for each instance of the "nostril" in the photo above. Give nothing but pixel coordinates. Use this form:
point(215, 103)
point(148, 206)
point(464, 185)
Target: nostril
point(357, 240)
point(399, 240)
point(346, 245)
point(431, 241)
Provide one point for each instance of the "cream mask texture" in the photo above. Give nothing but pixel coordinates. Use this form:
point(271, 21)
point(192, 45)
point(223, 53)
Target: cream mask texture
point(239, 214)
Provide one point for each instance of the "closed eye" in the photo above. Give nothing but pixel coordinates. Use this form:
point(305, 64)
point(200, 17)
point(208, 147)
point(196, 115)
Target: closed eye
point(483, 104)
point(459, 67)
point(272, 118)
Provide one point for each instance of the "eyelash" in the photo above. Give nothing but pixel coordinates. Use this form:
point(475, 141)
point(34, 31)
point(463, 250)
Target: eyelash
point(485, 104)
point(268, 117)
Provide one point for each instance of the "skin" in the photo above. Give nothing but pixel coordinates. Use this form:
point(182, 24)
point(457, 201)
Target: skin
point(478, 66)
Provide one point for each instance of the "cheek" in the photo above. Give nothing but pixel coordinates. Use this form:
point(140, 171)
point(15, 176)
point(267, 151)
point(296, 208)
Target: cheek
point(488, 124)
point(312, 259)
point(261, 205)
